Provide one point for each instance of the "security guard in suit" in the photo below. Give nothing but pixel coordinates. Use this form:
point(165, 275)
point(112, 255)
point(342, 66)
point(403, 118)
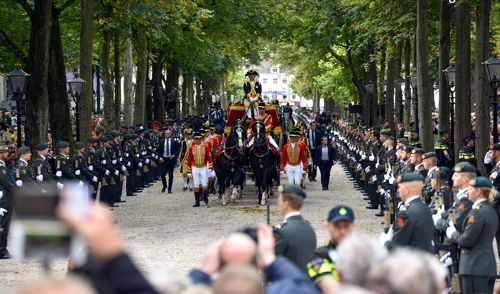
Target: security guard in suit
point(43, 171)
point(477, 260)
point(7, 188)
point(413, 226)
point(466, 153)
point(24, 174)
point(295, 238)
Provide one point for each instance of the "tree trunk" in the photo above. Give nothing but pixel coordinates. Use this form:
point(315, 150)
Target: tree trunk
point(128, 108)
point(381, 80)
point(398, 100)
point(424, 84)
point(197, 96)
point(141, 77)
point(37, 97)
point(444, 62)
point(86, 39)
point(158, 103)
point(59, 114)
point(407, 83)
point(481, 84)
point(106, 80)
point(118, 86)
point(463, 74)
point(391, 77)
point(189, 105)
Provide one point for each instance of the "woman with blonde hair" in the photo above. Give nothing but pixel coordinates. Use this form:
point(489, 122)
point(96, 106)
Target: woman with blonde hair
point(477, 261)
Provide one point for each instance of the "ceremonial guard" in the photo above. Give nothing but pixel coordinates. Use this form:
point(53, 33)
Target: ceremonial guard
point(494, 155)
point(294, 160)
point(121, 164)
point(94, 166)
point(136, 152)
point(253, 90)
point(199, 165)
point(79, 165)
point(24, 175)
point(443, 195)
point(430, 164)
point(132, 161)
point(63, 168)
point(183, 155)
point(108, 181)
point(43, 171)
point(7, 189)
point(442, 149)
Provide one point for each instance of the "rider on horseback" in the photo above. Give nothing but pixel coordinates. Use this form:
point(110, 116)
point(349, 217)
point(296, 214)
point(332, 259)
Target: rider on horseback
point(268, 122)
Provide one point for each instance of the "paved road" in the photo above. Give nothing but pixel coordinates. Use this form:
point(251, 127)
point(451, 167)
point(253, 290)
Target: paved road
point(162, 230)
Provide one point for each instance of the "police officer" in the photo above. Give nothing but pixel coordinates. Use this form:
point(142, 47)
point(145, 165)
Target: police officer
point(442, 149)
point(466, 153)
point(385, 126)
point(411, 127)
point(414, 140)
point(43, 171)
point(401, 130)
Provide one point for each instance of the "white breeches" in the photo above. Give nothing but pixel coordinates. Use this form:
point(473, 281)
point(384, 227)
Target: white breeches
point(200, 176)
point(249, 112)
point(186, 179)
point(210, 174)
point(294, 174)
point(271, 140)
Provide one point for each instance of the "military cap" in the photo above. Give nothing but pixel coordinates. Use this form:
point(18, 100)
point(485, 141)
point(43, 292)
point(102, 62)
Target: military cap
point(212, 126)
point(292, 189)
point(3, 149)
point(413, 131)
point(464, 167)
point(441, 172)
point(131, 127)
point(115, 134)
point(92, 140)
point(467, 138)
point(409, 177)
point(390, 138)
point(386, 133)
point(353, 125)
point(110, 138)
point(141, 130)
point(262, 105)
point(418, 151)
point(408, 148)
point(443, 131)
point(399, 147)
point(124, 127)
point(62, 144)
point(23, 150)
point(376, 128)
point(103, 139)
point(79, 145)
point(385, 120)
point(376, 133)
point(403, 141)
point(400, 123)
point(201, 131)
point(138, 125)
point(155, 132)
point(147, 132)
point(429, 155)
point(134, 136)
point(412, 123)
point(189, 131)
point(294, 134)
point(480, 182)
point(341, 213)
point(126, 137)
point(252, 72)
point(41, 146)
point(198, 135)
point(494, 147)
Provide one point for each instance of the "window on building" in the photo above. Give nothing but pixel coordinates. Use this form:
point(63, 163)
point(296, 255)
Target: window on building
point(285, 81)
point(275, 80)
point(265, 96)
point(284, 96)
point(294, 96)
point(275, 69)
point(264, 81)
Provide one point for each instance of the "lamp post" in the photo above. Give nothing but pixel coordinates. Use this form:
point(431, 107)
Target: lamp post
point(414, 86)
point(17, 81)
point(492, 67)
point(76, 87)
point(450, 79)
point(149, 95)
point(383, 87)
point(400, 84)
point(370, 89)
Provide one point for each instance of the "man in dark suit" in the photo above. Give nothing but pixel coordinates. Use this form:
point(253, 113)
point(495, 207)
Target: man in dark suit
point(295, 238)
point(168, 152)
point(313, 142)
point(324, 159)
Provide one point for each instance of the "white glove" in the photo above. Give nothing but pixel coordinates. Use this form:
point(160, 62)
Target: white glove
point(436, 217)
point(143, 153)
point(382, 191)
point(440, 210)
point(39, 178)
point(121, 159)
point(140, 164)
point(386, 177)
point(450, 230)
point(117, 172)
point(43, 191)
point(104, 161)
point(147, 161)
point(391, 180)
point(94, 179)
point(150, 148)
point(128, 164)
point(400, 204)
point(77, 172)
point(371, 158)
point(374, 178)
point(190, 176)
point(124, 168)
point(363, 157)
point(384, 237)
point(60, 186)
point(359, 166)
point(114, 161)
point(91, 167)
point(107, 172)
point(310, 163)
point(367, 169)
point(80, 184)
point(282, 172)
point(377, 164)
point(446, 259)
point(1, 194)
point(19, 183)
point(59, 174)
point(2, 211)
point(126, 154)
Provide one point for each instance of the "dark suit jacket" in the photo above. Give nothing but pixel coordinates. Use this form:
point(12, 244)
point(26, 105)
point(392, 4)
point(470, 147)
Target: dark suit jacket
point(331, 155)
point(296, 240)
point(317, 138)
point(174, 145)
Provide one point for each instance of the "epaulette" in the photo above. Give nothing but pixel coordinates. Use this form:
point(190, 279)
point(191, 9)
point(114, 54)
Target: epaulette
point(465, 195)
point(478, 206)
point(281, 226)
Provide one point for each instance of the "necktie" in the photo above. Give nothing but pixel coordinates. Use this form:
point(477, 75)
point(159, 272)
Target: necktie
point(312, 139)
point(168, 148)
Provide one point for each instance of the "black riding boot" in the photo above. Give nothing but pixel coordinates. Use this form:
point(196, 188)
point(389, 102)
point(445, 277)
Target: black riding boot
point(212, 187)
point(205, 196)
point(196, 199)
point(245, 167)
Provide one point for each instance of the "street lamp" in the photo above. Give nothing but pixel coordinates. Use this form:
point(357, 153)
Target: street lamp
point(17, 81)
point(414, 86)
point(384, 93)
point(492, 67)
point(450, 79)
point(149, 95)
point(370, 89)
point(76, 87)
point(400, 84)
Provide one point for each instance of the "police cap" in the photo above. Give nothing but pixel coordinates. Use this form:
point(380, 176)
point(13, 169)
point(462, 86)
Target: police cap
point(341, 213)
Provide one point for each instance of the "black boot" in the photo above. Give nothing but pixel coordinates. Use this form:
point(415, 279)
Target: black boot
point(196, 199)
point(212, 187)
point(205, 196)
point(245, 167)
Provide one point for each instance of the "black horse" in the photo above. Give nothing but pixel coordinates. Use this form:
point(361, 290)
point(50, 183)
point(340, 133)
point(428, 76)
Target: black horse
point(227, 161)
point(262, 160)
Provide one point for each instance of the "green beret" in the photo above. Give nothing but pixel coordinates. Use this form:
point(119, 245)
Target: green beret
point(3, 149)
point(103, 139)
point(79, 145)
point(155, 132)
point(480, 182)
point(429, 155)
point(292, 189)
point(409, 177)
point(386, 133)
point(62, 144)
point(376, 128)
point(150, 130)
point(390, 138)
point(402, 141)
point(146, 132)
point(41, 146)
point(115, 134)
point(134, 136)
point(93, 140)
point(494, 147)
point(418, 151)
point(126, 137)
point(464, 167)
point(441, 172)
point(23, 150)
point(110, 138)
point(408, 148)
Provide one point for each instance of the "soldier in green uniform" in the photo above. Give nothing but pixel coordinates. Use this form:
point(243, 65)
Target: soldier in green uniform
point(79, 165)
point(7, 188)
point(131, 165)
point(413, 225)
point(107, 178)
point(117, 156)
point(406, 166)
point(442, 149)
point(24, 175)
point(295, 238)
point(139, 166)
point(430, 164)
point(43, 171)
point(321, 266)
point(477, 260)
point(417, 161)
point(94, 166)
point(494, 154)
point(63, 168)
point(439, 179)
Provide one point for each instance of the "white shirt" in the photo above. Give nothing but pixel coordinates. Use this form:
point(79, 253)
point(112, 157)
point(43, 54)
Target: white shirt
point(23, 161)
point(411, 199)
point(430, 171)
point(477, 202)
point(462, 192)
point(43, 157)
point(293, 144)
point(292, 214)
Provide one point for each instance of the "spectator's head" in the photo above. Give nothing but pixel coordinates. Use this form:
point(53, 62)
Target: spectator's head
point(357, 256)
point(52, 286)
point(429, 160)
point(239, 279)
point(409, 185)
point(291, 199)
point(463, 172)
point(340, 224)
point(238, 249)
